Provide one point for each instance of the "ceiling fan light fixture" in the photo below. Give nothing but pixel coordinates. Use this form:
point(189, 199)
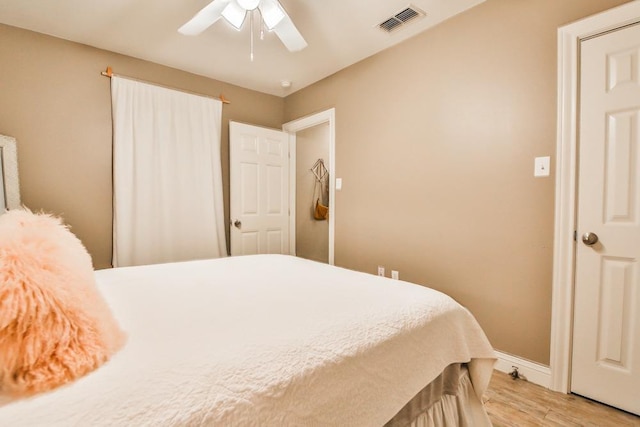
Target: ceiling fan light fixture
point(234, 14)
point(272, 14)
point(273, 17)
point(248, 4)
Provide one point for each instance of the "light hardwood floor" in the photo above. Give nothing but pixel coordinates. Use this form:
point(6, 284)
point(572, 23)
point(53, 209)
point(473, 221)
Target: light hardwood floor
point(519, 403)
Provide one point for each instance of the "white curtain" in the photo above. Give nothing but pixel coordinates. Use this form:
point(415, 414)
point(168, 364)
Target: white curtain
point(167, 176)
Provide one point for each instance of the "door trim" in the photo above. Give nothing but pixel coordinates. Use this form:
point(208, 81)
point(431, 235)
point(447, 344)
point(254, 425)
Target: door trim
point(569, 38)
point(327, 116)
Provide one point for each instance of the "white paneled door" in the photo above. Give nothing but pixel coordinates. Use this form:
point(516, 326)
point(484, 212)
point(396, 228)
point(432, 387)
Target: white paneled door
point(259, 190)
point(606, 337)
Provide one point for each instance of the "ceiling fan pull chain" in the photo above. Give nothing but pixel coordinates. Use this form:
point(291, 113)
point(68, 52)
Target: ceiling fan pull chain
point(251, 25)
point(262, 24)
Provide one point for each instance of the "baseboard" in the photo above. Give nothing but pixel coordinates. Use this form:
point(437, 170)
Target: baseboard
point(532, 371)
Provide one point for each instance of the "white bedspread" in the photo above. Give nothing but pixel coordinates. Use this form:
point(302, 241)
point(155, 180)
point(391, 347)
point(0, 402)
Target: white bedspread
point(265, 340)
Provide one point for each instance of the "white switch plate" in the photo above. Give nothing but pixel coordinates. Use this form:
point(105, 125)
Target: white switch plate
point(338, 183)
point(395, 275)
point(380, 271)
point(542, 166)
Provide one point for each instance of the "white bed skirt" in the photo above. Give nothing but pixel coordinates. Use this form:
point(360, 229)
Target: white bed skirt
point(460, 410)
point(449, 400)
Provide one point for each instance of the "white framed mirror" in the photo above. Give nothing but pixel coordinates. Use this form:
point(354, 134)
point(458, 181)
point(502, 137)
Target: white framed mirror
point(9, 184)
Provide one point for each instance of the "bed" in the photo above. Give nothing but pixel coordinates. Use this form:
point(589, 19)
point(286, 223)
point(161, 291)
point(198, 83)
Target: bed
point(273, 340)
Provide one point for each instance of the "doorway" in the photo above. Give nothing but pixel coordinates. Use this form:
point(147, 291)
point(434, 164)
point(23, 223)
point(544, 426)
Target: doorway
point(570, 228)
point(314, 136)
point(312, 193)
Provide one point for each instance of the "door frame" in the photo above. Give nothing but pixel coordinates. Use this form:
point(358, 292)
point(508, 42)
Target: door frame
point(569, 38)
point(292, 127)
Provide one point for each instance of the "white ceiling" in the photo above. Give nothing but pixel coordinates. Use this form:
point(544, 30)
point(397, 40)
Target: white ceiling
point(339, 33)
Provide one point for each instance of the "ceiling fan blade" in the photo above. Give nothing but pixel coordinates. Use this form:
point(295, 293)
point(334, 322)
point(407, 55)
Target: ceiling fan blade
point(289, 35)
point(205, 18)
point(272, 13)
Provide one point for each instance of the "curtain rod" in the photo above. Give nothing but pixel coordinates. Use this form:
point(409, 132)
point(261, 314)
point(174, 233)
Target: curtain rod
point(109, 73)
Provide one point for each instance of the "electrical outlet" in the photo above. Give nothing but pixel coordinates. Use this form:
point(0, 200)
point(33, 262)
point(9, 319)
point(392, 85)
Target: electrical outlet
point(395, 275)
point(380, 271)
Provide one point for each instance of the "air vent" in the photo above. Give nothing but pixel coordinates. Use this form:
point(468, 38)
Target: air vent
point(410, 13)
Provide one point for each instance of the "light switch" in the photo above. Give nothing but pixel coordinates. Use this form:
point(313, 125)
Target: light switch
point(338, 183)
point(542, 166)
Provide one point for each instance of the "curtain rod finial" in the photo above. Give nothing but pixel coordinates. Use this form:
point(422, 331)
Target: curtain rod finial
point(108, 73)
point(224, 100)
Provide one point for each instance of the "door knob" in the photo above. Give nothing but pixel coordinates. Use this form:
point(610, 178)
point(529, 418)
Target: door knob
point(238, 224)
point(589, 239)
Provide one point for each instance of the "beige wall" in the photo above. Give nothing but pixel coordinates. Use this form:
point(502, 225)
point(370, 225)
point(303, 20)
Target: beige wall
point(312, 236)
point(435, 143)
point(54, 101)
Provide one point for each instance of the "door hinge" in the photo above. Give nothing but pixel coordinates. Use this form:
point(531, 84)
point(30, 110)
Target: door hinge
point(575, 235)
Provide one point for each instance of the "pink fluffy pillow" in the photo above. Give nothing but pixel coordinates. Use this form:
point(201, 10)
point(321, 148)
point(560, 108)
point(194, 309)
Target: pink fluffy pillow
point(54, 325)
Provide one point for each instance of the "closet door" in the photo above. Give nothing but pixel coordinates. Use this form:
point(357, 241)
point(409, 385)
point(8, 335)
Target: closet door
point(606, 337)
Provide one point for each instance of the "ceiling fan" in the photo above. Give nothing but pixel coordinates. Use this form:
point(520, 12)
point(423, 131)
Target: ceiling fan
point(273, 16)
